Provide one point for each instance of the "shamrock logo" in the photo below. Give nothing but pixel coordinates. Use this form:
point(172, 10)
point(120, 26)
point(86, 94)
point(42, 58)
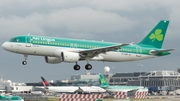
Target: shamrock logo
point(102, 81)
point(157, 35)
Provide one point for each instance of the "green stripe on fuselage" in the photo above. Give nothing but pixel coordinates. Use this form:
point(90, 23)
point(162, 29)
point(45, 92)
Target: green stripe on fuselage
point(83, 44)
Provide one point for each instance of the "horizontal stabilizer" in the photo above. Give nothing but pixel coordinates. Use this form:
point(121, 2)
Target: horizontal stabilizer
point(160, 51)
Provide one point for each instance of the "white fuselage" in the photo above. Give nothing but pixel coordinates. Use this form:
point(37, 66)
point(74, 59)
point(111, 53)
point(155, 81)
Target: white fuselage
point(39, 50)
point(72, 89)
point(62, 89)
point(93, 89)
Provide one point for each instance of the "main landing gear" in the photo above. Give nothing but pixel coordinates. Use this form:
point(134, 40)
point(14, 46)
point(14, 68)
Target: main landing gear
point(25, 58)
point(87, 67)
point(76, 67)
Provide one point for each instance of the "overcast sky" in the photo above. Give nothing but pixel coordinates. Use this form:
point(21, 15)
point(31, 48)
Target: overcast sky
point(122, 21)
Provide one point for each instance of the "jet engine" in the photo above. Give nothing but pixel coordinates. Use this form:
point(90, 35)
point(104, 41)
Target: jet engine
point(52, 60)
point(62, 56)
point(70, 56)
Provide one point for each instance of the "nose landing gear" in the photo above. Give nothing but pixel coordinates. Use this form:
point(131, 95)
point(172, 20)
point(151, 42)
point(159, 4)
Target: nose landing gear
point(25, 58)
point(24, 62)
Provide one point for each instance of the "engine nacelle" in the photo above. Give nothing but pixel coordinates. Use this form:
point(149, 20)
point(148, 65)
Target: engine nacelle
point(52, 60)
point(66, 56)
point(70, 56)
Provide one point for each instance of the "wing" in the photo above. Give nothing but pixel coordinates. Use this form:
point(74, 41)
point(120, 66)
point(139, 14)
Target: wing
point(96, 51)
point(78, 90)
point(160, 51)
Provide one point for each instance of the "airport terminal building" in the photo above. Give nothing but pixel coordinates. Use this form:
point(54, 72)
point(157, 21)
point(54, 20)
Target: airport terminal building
point(147, 79)
point(162, 80)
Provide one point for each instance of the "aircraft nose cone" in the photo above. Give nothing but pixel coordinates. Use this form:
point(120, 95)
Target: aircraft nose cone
point(4, 45)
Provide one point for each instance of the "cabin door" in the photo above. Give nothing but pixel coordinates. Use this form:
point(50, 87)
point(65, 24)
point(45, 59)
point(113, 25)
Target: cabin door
point(28, 41)
point(139, 51)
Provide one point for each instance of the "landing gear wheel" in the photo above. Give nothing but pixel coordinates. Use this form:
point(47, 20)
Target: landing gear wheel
point(25, 58)
point(77, 67)
point(88, 67)
point(24, 62)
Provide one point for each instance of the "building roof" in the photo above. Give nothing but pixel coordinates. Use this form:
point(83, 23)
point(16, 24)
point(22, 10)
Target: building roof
point(161, 73)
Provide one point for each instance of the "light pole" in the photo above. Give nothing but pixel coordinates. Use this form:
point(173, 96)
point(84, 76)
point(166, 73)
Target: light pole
point(140, 65)
point(113, 74)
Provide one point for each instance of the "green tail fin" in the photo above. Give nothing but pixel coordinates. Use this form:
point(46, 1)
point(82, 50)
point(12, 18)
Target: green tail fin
point(156, 37)
point(103, 81)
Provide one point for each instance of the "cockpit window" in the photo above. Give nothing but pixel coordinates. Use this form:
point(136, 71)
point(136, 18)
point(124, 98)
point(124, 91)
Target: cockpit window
point(14, 40)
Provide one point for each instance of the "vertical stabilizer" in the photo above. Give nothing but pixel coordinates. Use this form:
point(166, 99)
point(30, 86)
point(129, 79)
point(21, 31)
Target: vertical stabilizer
point(156, 37)
point(45, 83)
point(103, 81)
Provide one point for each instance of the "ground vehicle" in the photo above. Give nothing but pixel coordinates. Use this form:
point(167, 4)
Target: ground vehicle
point(177, 92)
point(37, 92)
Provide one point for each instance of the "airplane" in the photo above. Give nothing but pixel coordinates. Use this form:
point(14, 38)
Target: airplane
point(72, 89)
point(6, 97)
point(105, 85)
point(57, 50)
point(58, 89)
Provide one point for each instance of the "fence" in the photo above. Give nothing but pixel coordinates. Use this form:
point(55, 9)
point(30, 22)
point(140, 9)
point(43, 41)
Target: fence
point(30, 97)
point(80, 97)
